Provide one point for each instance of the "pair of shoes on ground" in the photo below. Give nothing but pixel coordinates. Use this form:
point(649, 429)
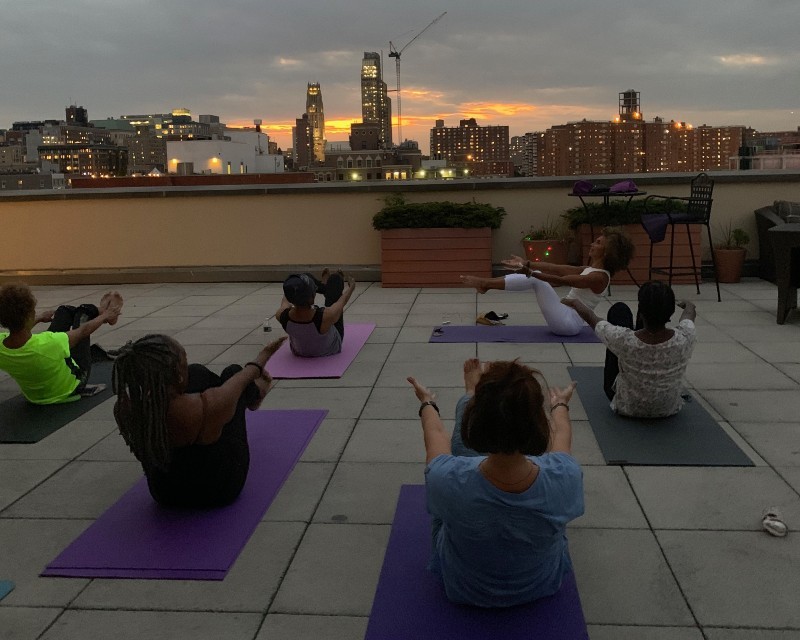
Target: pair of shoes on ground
point(772, 522)
point(491, 318)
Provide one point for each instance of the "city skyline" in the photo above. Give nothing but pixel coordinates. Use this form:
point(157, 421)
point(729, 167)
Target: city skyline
point(528, 67)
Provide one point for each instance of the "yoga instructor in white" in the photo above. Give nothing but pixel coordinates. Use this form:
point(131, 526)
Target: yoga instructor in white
point(610, 252)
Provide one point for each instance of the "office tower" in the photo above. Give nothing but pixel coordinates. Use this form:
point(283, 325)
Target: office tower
point(375, 103)
point(77, 116)
point(303, 143)
point(316, 120)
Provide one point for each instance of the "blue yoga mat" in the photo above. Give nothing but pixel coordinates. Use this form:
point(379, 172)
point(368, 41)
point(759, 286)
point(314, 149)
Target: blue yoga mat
point(410, 601)
point(692, 437)
point(506, 333)
point(6, 587)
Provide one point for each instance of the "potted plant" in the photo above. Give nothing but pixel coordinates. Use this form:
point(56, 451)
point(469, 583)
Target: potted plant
point(547, 242)
point(590, 219)
point(432, 243)
point(729, 254)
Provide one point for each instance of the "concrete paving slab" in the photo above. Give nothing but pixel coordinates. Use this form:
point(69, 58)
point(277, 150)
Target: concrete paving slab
point(733, 375)
point(153, 625)
point(249, 585)
point(18, 477)
point(226, 335)
point(152, 324)
point(183, 310)
point(778, 444)
point(737, 579)
point(65, 444)
point(395, 320)
point(584, 445)
point(431, 373)
point(755, 406)
point(383, 335)
point(610, 502)
point(398, 403)
point(298, 627)
point(749, 634)
point(335, 571)
point(775, 352)
point(624, 580)
point(713, 352)
point(340, 403)
point(28, 545)
point(301, 493)
point(594, 353)
point(81, 489)
point(791, 475)
point(433, 352)
point(112, 448)
point(329, 440)
point(203, 353)
point(546, 352)
point(387, 441)
point(701, 497)
point(23, 623)
point(616, 632)
point(366, 493)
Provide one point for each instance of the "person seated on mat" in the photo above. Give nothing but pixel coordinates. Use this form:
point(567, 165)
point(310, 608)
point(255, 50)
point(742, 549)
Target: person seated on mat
point(314, 331)
point(52, 366)
point(610, 252)
point(186, 424)
point(645, 364)
point(502, 488)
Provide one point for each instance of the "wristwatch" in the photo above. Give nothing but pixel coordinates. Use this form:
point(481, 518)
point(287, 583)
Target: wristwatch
point(425, 404)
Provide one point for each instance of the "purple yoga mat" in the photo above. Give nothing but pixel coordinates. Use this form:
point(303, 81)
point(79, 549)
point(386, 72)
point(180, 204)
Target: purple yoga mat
point(507, 333)
point(136, 538)
point(284, 364)
point(410, 601)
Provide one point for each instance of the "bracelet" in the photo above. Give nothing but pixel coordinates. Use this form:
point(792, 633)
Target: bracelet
point(258, 366)
point(428, 403)
point(559, 404)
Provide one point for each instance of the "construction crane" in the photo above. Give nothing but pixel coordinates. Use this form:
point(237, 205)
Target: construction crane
point(396, 53)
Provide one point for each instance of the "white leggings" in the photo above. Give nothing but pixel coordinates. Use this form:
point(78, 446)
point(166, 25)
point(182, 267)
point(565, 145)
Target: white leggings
point(561, 319)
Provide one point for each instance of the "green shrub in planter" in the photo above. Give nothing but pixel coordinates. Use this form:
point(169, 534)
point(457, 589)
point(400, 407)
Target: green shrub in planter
point(617, 213)
point(398, 214)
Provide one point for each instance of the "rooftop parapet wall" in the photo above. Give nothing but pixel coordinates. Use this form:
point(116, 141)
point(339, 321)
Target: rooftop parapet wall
point(270, 226)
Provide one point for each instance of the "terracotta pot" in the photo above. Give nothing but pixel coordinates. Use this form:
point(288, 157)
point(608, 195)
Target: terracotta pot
point(553, 251)
point(434, 257)
point(729, 264)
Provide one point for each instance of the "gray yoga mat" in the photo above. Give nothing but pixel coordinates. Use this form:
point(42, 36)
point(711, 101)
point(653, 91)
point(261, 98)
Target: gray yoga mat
point(689, 438)
point(25, 423)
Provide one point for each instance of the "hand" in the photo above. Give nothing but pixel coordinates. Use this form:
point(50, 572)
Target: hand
point(111, 314)
point(515, 262)
point(45, 316)
point(269, 350)
point(423, 393)
point(557, 394)
point(351, 282)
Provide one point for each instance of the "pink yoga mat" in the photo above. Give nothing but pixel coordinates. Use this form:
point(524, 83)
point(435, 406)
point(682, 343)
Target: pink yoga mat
point(284, 364)
point(137, 538)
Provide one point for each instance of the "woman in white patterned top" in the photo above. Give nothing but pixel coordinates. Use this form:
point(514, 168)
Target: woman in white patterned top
point(610, 252)
point(645, 364)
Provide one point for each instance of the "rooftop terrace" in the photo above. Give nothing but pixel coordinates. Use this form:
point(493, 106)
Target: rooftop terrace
point(662, 552)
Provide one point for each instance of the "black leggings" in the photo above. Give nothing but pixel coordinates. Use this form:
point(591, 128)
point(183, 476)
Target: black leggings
point(619, 314)
point(67, 317)
point(207, 475)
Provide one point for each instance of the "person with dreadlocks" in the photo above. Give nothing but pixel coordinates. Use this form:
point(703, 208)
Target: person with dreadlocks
point(184, 423)
point(52, 366)
point(645, 363)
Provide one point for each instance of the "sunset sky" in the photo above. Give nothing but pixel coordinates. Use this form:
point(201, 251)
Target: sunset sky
point(527, 64)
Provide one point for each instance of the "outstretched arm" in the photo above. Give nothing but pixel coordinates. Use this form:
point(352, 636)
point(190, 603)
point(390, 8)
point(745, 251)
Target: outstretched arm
point(586, 314)
point(516, 263)
point(285, 304)
point(437, 442)
point(561, 426)
point(88, 328)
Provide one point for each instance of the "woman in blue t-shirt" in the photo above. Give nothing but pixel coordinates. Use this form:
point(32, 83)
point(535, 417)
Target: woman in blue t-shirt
point(500, 516)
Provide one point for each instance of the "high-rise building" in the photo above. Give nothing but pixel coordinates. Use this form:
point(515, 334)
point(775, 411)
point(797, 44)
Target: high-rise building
point(303, 143)
point(523, 153)
point(481, 150)
point(375, 103)
point(77, 116)
point(316, 120)
point(629, 145)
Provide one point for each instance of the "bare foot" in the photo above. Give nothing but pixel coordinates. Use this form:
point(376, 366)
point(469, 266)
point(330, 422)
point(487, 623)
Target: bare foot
point(473, 370)
point(111, 302)
point(476, 283)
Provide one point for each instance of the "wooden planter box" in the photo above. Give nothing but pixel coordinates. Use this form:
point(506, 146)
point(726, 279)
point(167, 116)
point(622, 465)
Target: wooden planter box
point(434, 257)
point(638, 266)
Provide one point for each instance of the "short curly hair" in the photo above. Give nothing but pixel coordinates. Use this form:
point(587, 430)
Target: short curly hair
point(619, 249)
point(17, 303)
point(506, 414)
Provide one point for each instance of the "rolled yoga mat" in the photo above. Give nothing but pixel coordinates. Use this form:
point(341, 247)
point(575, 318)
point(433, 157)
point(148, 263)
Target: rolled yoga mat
point(692, 437)
point(137, 538)
point(25, 423)
point(506, 333)
point(284, 364)
point(410, 601)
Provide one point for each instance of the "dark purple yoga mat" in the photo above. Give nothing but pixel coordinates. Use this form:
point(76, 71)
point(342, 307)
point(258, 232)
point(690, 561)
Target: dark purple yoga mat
point(410, 601)
point(506, 333)
point(136, 538)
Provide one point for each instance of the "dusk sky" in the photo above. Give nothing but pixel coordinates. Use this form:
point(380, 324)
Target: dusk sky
point(528, 64)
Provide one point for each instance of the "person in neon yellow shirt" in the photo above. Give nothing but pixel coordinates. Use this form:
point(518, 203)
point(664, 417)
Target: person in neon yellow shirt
point(52, 366)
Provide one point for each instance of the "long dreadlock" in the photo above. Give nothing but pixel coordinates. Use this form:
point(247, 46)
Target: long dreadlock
point(144, 372)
